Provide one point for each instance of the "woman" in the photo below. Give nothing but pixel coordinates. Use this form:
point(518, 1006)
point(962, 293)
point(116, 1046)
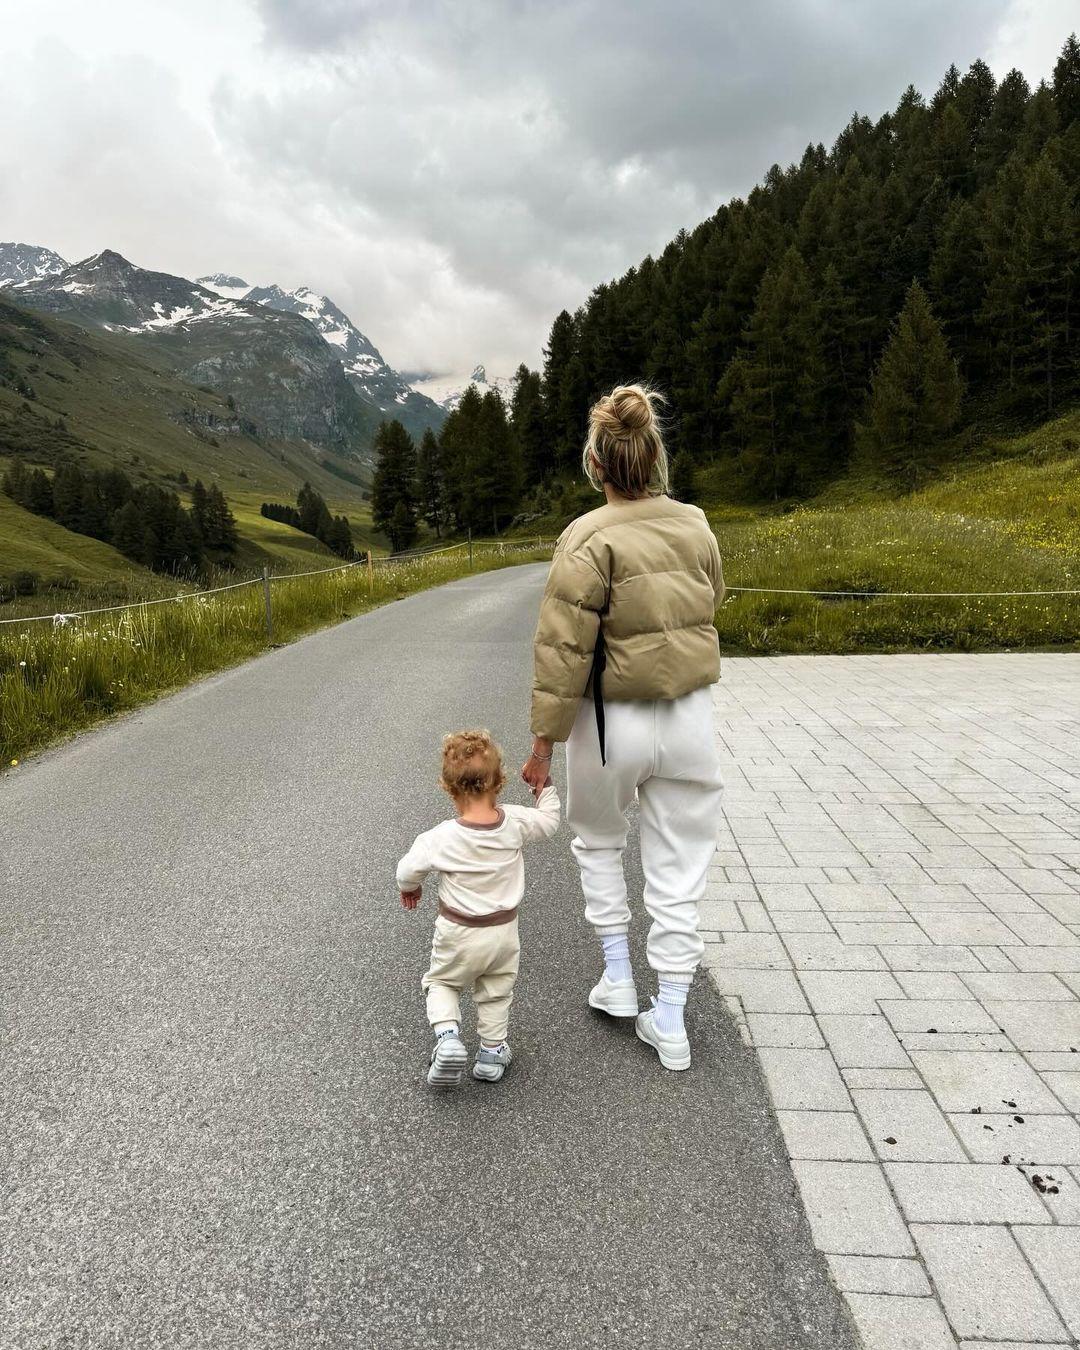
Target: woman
point(627, 617)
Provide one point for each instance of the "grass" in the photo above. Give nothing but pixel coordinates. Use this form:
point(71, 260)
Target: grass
point(31, 543)
point(1009, 522)
point(55, 680)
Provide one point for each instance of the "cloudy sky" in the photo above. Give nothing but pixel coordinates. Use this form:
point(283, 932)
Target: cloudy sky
point(452, 172)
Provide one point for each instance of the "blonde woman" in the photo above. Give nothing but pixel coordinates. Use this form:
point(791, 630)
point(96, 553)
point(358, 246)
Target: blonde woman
point(625, 654)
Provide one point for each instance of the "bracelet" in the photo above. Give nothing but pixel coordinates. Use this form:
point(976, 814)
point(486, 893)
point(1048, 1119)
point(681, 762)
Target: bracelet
point(542, 758)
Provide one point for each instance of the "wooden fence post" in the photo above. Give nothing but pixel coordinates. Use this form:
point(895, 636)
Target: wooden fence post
point(470, 548)
point(269, 606)
point(370, 572)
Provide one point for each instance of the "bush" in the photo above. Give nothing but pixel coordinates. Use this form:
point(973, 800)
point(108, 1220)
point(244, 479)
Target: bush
point(25, 582)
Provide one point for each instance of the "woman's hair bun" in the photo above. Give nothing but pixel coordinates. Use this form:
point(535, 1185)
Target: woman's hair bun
point(632, 406)
point(625, 446)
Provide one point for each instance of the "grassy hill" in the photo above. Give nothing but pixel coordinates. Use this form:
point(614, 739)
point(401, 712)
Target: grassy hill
point(64, 391)
point(32, 544)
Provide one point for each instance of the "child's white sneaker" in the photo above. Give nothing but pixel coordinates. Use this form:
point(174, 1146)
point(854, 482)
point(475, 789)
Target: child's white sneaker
point(448, 1060)
point(617, 998)
point(674, 1050)
point(490, 1065)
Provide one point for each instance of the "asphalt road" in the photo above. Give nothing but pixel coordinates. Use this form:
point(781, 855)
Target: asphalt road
point(215, 1130)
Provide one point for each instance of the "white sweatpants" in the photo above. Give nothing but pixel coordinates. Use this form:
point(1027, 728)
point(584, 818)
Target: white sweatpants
point(665, 751)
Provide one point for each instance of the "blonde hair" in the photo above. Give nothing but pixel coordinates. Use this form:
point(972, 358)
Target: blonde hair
point(471, 765)
point(625, 446)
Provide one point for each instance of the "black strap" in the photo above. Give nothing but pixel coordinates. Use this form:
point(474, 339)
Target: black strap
point(599, 663)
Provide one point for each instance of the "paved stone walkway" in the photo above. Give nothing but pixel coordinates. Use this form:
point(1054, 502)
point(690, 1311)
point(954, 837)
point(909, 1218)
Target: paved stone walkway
point(894, 917)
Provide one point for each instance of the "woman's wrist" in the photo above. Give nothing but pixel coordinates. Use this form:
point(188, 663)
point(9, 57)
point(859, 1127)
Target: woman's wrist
point(542, 748)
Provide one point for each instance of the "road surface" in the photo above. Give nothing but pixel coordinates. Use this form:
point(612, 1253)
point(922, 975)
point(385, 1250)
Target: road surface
point(216, 1131)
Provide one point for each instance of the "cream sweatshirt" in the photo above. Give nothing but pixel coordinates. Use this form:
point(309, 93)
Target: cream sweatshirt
point(480, 867)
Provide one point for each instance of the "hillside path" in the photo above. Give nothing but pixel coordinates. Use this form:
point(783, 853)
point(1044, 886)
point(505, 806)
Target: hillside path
point(216, 1131)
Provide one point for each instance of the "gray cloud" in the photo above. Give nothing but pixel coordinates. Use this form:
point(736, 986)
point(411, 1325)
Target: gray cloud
point(453, 173)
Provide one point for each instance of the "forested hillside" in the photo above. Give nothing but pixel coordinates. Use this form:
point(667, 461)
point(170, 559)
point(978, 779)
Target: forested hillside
point(917, 279)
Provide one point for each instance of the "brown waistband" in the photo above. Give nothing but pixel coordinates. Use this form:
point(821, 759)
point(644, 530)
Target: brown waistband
point(477, 920)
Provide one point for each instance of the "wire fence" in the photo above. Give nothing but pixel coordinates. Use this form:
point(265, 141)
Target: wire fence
point(503, 547)
point(267, 579)
point(892, 595)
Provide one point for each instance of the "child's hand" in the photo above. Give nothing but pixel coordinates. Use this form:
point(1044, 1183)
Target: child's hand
point(410, 899)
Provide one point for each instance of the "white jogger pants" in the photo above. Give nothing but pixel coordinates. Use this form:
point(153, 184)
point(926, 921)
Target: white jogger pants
point(663, 750)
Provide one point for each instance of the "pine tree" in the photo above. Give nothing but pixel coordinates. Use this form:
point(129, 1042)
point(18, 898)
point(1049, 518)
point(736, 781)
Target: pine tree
point(16, 482)
point(127, 532)
point(1006, 122)
point(1045, 266)
point(459, 442)
point(843, 385)
point(430, 488)
point(1040, 122)
point(957, 283)
point(1067, 83)
point(39, 497)
point(401, 527)
point(341, 540)
point(564, 391)
point(394, 484)
point(530, 429)
point(93, 517)
point(915, 395)
point(951, 155)
point(774, 386)
point(200, 500)
point(310, 505)
point(216, 522)
point(67, 495)
point(498, 463)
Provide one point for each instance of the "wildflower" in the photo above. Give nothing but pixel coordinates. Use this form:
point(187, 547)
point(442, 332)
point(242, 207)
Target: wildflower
point(23, 664)
point(14, 762)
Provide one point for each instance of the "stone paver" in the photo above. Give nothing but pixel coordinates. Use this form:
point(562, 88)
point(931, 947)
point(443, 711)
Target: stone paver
point(895, 911)
point(987, 1287)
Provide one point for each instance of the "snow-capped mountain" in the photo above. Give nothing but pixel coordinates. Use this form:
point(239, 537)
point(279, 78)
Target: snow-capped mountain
point(20, 263)
point(446, 390)
point(295, 363)
point(225, 284)
point(281, 373)
point(373, 379)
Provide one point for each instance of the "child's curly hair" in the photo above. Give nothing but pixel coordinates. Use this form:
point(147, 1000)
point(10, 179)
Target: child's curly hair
point(471, 764)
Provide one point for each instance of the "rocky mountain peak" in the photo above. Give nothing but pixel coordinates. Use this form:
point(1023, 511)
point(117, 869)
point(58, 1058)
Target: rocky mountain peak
point(20, 263)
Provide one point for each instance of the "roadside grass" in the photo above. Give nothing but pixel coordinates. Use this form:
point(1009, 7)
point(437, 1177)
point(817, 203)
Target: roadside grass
point(1010, 521)
point(899, 548)
point(58, 679)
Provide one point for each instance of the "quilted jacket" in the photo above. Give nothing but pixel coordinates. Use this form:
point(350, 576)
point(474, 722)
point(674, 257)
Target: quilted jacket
point(642, 580)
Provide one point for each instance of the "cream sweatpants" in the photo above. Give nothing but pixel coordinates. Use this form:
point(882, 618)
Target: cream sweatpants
point(484, 960)
point(664, 751)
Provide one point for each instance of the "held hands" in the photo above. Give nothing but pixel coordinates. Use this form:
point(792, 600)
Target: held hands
point(410, 899)
point(536, 771)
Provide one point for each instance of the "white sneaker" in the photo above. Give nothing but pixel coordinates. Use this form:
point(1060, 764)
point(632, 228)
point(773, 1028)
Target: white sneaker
point(617, 998)
point(674, 1051)
point(490, 1065)
point(448, 1060)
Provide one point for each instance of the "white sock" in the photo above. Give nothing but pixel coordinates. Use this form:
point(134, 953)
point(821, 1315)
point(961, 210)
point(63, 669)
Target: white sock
point(441, 1028)
point(668, 1009)
point(617, 956)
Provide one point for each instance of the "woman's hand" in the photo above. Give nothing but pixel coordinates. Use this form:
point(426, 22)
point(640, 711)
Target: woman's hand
point(410, 899)
point(537, 768)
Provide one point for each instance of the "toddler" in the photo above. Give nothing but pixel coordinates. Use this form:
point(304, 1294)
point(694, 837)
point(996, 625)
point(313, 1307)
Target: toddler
point(481, 882)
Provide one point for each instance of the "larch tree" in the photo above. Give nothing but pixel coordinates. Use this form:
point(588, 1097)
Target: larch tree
point(915, 395)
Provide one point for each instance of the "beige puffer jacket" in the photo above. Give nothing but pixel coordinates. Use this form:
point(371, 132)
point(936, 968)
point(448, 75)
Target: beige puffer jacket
point(647, 574)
